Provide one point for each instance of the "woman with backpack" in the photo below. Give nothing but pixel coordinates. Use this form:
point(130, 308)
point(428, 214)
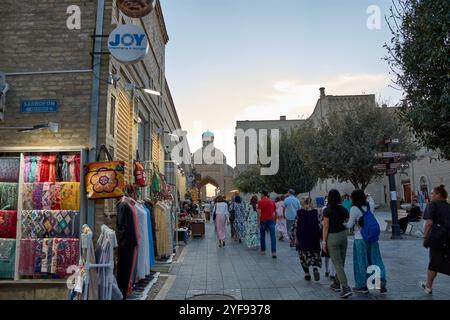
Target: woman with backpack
point(437, 236)
point(366, 250)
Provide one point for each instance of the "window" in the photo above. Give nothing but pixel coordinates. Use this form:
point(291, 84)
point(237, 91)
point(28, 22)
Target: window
point(112, 116)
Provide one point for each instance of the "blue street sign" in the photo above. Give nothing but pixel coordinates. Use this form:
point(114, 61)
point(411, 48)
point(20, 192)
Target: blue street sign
point(39, 106)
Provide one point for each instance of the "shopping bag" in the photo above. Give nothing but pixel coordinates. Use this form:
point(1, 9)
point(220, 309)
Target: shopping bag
point(104, 180)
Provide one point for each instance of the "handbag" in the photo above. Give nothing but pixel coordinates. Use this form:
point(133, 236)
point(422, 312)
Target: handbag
point(104, 180)
point(139, 172)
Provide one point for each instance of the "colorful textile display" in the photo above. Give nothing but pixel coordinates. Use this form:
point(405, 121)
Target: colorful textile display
point(8, 224)
point(50, 167)
point(7, 258)
point(47, 196)
point(9, 169)
point(50, 224)
point(70, 195)
point(48, 256)
point(8, 195)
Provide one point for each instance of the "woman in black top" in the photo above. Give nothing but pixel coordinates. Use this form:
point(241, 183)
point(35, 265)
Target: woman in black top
point(437, 212)
point(335, 240)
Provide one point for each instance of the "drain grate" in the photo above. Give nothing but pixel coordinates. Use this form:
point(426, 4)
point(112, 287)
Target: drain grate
point(211, 297)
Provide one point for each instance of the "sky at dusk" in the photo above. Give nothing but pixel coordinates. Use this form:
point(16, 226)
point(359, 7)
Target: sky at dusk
point(230, 60)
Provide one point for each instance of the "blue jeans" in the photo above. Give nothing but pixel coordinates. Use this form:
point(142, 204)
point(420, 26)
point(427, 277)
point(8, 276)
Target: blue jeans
point(263, 226)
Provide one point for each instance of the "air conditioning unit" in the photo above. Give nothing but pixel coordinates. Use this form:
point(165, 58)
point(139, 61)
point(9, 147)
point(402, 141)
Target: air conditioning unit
point(3, 90)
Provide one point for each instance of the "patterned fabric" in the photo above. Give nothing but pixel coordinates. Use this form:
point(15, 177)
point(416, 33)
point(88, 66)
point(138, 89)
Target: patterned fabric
point(8, 224)
point(8, 195)
point(239, 220)
point(7, 258)
point(27, 196)
point(37, 171)
point(52, 173)
point(50, 224)
point(251, 228)
point(33, 168)
point(70, 195)
point(38, 190)
point(26, 175)
point(310, 259)
point(9, 169)
point(53, 256)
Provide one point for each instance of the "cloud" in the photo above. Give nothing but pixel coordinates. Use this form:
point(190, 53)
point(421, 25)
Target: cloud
point(297, 99)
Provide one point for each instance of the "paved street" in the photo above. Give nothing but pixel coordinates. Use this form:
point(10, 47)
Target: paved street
point(244, 274)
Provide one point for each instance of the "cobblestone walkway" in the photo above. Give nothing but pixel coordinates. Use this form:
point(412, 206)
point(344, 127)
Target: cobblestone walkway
point(244, 274)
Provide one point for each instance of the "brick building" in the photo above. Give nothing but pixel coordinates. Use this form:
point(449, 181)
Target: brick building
point(45, 61)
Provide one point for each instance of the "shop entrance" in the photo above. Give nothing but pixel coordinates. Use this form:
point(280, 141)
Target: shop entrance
point(407, 193)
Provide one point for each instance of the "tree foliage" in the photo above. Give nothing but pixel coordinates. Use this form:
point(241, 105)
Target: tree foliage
point(419, 55)
point(292, 172)
point(344, 146)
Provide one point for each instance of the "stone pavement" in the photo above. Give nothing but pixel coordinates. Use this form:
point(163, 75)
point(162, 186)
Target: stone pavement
point(244, 274)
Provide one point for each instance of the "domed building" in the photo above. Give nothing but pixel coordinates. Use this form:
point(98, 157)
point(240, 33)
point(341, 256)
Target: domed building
point(211, 164)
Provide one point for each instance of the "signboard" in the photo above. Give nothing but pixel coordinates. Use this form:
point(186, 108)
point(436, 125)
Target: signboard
point(128, 43)
point(380, 167)
point(389, 155)
point(136, 8)
point(39, 106)
point(394, 195)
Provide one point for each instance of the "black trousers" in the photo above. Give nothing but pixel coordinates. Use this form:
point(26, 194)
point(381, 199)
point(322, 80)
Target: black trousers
point(124, 268)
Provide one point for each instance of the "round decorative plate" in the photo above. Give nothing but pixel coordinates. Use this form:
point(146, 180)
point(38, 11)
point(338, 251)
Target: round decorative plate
point(136, 8)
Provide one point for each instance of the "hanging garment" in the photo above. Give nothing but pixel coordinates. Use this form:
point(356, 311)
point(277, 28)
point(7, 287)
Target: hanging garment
point(143, 263)
point(153, 225)
point(27, 196)
point(33, 169)
point(9, 169)
point(8, 195)
point(27, 256)
point(59, 167)
point(52, 173)
point(50, 224)
point(70, 195)
point(162, 231)
point(150, 236)
point(7, 258)
point(77, 167)
point(44, 167)
point(27, 168)
point(38, 191)
point(37, 171)
point(104, 254)
point(128, 241)
point(8, 224)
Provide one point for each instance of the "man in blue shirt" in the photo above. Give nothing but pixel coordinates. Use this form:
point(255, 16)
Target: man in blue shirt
point(292, 204)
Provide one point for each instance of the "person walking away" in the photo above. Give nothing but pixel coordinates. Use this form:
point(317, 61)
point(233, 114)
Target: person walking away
point(239, 217)
point(292, 205)
point(222, 218)
point(436, 236)
point(366, 250)
point(207, 211)
point(335, 240)
point(307, 233)
point(252, 224)
point(232, 218)
point(281, 228)
point(414, 215)
point(266, 210)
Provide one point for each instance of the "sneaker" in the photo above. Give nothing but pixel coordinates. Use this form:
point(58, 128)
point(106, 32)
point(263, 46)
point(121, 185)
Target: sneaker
point(274, 255)
point(327, 274)
point(361, 290)
point(346, 292)
point(262, 253)
point(383, 288)
point(308, 277)
point(316, 275)
point(427, 290)
point(335, 287)
point(332, 278)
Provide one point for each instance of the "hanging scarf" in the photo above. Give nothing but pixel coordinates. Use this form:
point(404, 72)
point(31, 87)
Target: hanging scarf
point(8, 195)
point(26, 175)
point(27, 196)
point(55, 196)
point(7, 258)
point(32, 173)
point(37, 195)
point(77, 168)
point(51, 168)
point(9, 169)
point(44, 169)
point(70, 195)
point(8, 224)
point(46, 196)
point(37, 171)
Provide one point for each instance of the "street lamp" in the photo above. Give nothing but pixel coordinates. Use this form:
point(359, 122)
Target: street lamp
point(132, 86)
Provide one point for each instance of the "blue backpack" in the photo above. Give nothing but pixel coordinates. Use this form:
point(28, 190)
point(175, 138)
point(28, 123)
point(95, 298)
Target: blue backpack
point(370, 229)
